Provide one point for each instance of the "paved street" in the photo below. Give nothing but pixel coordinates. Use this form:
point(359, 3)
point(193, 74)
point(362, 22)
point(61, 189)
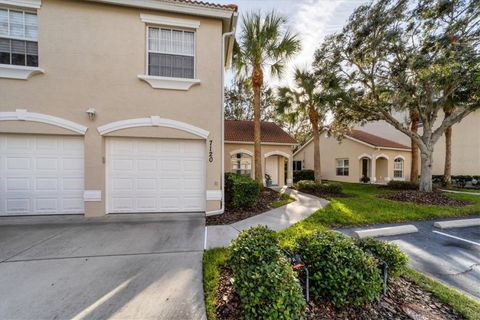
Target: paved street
point(124, 266)
point(451, 255)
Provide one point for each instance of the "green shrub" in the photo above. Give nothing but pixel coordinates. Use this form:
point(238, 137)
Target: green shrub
point(402, 185)
point(263, 278)
point(240, 191)
point(311, 186)
point(339, 270)
point(331, 188)
point(299, 175)
point(388, 252)
point(306, 185)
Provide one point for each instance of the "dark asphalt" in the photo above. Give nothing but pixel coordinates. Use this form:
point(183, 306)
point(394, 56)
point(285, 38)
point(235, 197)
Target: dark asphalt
point(453, 261)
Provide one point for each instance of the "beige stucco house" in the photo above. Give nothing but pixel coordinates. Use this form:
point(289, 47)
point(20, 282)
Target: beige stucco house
point(112, 106)
point(359, 154)
point(465, 143)
point(276, 149)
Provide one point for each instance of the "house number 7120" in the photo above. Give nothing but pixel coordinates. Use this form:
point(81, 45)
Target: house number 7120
point(210, 152)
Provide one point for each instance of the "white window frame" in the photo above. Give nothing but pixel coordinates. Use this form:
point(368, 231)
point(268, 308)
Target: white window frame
point(342, 167)
point(11, 71)
point(400, 161)
point(243, 157)
point(158, 82)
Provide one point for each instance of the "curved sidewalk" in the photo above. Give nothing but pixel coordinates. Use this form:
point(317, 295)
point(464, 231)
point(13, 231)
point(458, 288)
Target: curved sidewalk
point(276, 219)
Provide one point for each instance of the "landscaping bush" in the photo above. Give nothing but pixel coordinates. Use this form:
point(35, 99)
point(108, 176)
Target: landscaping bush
point(303, 175)
point(388, 252)
point(311, 186)
point(263, 278)
point(339, 270)
point(331, 188)
point(402, 185)
point(240, 191)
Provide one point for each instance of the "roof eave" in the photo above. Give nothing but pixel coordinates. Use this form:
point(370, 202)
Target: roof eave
point(225, 14)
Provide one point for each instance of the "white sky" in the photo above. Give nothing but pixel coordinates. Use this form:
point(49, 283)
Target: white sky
point(312, 20)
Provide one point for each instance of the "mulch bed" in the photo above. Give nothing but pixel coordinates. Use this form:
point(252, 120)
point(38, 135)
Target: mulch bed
point(231, 215)
point(419, 197)
point(403, 300)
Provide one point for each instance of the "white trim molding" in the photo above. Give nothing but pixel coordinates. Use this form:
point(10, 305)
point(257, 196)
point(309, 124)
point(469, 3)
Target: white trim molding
point(382, 156)
point(214, 195)
point(33, 4)
point(399, 157)
point(277, 153)
point(170, 22)
point(24, 115)
point(18, 72)
point(364, 155)
point(169, 83)
point(248, 152)
point(152, 121)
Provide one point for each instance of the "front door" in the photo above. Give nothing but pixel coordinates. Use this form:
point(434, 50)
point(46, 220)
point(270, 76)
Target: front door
point(364, 167)
point(271, 168)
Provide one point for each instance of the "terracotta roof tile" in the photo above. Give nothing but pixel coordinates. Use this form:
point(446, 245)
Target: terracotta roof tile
point(376, 140)
point(232, 7)
point(242, 131)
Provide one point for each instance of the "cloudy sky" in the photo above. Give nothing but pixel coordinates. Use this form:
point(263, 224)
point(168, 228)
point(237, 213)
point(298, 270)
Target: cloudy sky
point(312, 20)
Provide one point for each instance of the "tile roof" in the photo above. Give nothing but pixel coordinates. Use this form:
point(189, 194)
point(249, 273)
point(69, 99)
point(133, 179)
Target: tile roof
point(242, 131)
point(232, 6)
point(376, 140)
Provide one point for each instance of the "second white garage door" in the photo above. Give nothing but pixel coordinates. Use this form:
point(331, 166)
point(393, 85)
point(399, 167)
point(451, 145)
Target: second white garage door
point(155, 175)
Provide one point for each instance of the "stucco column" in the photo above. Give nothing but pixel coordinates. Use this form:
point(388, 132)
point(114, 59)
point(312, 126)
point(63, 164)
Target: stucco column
point(373, 173)
point(290, 172)
point(94, 174)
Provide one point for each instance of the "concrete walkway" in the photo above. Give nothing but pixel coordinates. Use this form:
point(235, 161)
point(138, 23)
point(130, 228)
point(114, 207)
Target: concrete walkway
point(276, 219)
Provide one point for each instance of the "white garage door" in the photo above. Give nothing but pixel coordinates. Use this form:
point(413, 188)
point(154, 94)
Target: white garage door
point(41, 174)
point(155, 175)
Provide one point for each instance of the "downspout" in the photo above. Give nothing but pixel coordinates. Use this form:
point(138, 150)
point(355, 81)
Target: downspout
point(222, 120)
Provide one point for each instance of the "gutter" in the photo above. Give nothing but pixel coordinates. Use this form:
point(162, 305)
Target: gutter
point(222, 117)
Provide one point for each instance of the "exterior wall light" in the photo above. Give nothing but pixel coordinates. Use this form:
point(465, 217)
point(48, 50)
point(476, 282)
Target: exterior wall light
point(91, 113)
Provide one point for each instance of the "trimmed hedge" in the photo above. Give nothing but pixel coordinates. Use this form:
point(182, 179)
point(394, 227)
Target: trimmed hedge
point(240, 191)
point(263, 278)
point(303, 175)
point(339, 270)
point(311, 186)
point(388, 252)
point(402, 185)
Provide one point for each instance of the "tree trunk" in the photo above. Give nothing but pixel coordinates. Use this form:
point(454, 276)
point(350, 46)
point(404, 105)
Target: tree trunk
point(414, 146)
point(257, 82)
point(426, 170)
point(316, 146)
point(447, 171)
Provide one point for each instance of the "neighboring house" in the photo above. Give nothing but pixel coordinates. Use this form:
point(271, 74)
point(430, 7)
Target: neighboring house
point(277, 150)
point(359, 154)
point(465, 144)
point(112, 106)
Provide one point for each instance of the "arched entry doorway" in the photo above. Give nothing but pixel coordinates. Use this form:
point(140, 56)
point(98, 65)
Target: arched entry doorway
point(381, 164)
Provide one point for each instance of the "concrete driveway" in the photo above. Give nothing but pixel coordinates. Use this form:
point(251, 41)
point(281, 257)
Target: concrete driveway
point(451, 255)
point(121, 266)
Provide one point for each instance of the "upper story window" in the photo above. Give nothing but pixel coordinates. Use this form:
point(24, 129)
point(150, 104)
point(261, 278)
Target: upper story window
point(18, 38)
point(342, 167)
point(171, 53)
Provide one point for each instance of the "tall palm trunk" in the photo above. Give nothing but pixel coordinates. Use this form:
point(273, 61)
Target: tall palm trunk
point(316, 145)
point(447, 171)
point(415, 152)
point(257, 82)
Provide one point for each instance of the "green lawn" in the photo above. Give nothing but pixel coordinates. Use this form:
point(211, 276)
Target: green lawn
point(213, 259)
point(365, 208)
point(286, 199)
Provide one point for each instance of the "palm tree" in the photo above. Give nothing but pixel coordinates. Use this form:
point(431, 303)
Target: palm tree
point(306, 99)
point(415, 121)
point(264, 42)
point(447, 171)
